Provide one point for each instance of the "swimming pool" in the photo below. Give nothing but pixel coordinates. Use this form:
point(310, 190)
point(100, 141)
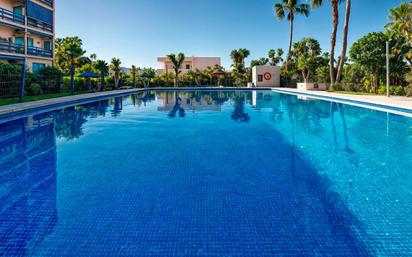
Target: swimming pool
point(209, 173)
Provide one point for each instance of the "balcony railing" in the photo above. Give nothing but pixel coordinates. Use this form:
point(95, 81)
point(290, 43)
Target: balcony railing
point(39, 24)
point(10, 16)
point(47, 2)
point(11, 47)
point(38, 51)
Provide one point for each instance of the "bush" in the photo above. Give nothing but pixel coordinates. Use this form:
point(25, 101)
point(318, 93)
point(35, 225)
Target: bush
point(408, 91)
point(35, 89)
point(393, 90)
point(10, 69)
point(337, 87)
point(49, 71)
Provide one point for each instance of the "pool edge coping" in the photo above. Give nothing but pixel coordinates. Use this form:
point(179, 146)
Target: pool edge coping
point(364, 104)
point(19, 110)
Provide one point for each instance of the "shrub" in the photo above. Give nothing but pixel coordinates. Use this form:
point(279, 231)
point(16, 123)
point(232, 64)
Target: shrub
point(408, 91)
point(393, 90)
point(10, 69)
point(49, 71)
point(322, 74)
point(35, 89)
point(337, 87)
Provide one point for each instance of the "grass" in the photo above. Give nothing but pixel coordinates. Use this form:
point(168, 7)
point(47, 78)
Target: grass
point(7, 101)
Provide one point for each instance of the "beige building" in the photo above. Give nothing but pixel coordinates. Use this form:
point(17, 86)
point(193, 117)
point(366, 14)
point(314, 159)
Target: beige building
point(190, 63)
point(266, 76)
point(27, 32)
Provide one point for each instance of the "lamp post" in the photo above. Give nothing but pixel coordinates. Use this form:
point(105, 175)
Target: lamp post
point(387, 70)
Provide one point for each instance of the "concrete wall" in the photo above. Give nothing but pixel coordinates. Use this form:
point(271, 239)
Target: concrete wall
point(200, 63)
point(269, 75)
point(31, 60)
point(312, 86)
point(7, 32)
point(38, 41)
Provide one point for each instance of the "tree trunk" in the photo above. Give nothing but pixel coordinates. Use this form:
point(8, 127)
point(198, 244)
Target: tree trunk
point(72, 78)
point(345, 41)
point(335, 13)
point(305, 77)
point(176, 78)
point(290, 39)
point(102, 82)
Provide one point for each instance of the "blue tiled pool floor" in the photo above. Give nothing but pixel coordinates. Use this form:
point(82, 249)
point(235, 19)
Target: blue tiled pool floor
point(219, 175)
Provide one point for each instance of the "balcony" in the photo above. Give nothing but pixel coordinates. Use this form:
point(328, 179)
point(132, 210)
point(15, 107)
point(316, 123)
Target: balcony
point(38, 51)
point(47, 2)
point(10, 16)
point(11, 47)
point(39, 24)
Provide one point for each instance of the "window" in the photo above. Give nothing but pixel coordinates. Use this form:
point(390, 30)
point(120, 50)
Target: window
point(18, 10)
point(188, 67)
point(37, 66)
point(260, 78)
point(19, 41)
point(30, 42)
point(47, 45)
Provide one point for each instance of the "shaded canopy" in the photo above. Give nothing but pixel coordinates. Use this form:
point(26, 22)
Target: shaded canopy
point(146, 75)
point(89, 74)
point(218, 73)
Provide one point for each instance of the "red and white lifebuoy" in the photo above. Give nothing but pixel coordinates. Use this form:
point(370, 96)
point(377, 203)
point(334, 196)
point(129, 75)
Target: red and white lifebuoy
point(267, 76)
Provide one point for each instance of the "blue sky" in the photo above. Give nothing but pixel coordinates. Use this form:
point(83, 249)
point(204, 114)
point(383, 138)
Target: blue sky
point(138, 31)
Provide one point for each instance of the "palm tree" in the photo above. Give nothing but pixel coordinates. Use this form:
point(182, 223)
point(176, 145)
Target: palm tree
point(103, 67)
point(288, 9)
point(275, 56)
point(115, 68)
point(345, 41)
point(73, 53)
point(177, 62)
point(238, 56)
point(335, 15)
point(401, 20)
point(134, 71)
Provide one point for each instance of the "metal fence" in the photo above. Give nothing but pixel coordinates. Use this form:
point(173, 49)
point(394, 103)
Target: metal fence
point(36, 84)
point(9, 85)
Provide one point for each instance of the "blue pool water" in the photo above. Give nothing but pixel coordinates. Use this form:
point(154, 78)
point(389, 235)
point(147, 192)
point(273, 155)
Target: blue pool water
point(235, 173)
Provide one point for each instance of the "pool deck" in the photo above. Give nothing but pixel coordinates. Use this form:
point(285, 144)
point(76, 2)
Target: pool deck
point(398, 104)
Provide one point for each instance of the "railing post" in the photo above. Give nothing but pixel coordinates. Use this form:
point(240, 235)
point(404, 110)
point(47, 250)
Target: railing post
point(22, 80)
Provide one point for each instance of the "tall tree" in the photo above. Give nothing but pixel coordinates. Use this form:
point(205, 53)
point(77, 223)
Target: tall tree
point(115, 68)
point(103, 67)
point(73, 54)
point(369, 52)
point(275, 56)
point(261, 61)
point(288, 9)
point(61, 45)
point(335, 18)
point(134, 71)
point(307, 53)
point(177, 62)
point(401, 20)
point(239, 56)
point(341, 63)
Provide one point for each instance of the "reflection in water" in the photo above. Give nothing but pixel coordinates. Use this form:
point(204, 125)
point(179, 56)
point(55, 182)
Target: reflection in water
point(27, 183)
point(239, 113)
point(177, 108)
point(314, 164)
point(179, 102)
